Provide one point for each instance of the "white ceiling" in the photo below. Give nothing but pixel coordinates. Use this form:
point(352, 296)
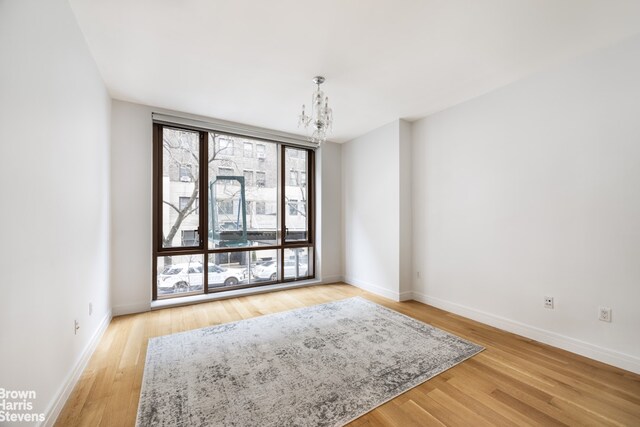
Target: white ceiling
point(251, 61)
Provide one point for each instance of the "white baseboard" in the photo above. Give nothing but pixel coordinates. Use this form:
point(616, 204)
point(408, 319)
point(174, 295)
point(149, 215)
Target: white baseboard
point(332, 279)
point(378, 290)
point(54, 409)
point(592, 351)
point(406, 296)
point(140, 307)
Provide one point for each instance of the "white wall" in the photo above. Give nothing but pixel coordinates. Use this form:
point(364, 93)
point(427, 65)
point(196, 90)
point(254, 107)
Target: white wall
point(329, 220)
point(373, 167)
point(54, 182)
point(534, 190)
point(405, 187)
point(131, 185)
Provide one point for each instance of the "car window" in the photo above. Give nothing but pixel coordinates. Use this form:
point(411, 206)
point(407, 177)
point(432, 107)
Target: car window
point(171, 270)
point(193, 270)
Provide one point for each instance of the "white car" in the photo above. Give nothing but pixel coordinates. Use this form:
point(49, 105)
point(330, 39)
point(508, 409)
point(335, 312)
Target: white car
point(222, 276)
point(188, 277)
point(268, 270)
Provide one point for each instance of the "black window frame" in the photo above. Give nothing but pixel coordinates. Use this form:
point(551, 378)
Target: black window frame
point(202, 248)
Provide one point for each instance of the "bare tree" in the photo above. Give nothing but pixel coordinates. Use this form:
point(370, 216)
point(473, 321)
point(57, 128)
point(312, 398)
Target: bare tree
point(181, 158)
point(181, 150)
point(303, 199)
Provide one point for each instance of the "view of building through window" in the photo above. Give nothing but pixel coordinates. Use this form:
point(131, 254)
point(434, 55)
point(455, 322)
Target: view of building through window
point(295, 193)
point(243, 210)
point(180, 184)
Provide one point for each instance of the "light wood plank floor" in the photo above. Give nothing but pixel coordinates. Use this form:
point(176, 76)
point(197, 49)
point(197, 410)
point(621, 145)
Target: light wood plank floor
point(515, 381)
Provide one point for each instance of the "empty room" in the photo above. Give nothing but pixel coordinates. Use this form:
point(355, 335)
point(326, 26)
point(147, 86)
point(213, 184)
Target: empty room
point(294, 213)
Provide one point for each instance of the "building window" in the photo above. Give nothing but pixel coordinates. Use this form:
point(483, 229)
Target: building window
point(293, 178)
point(189, 237)
point(260, 151)
point(303, 178)
point(261, 179)
point(248, 178)
point(293, 207)
point(185, 173)
point(183, 201)
point(225, 146)
point(248, 149)
point(261, 208)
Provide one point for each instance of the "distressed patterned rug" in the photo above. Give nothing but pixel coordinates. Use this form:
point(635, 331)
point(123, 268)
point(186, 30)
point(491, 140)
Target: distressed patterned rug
point(317, 366)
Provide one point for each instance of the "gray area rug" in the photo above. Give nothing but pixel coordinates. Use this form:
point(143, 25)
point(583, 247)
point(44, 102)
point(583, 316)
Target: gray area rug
point(323, 365)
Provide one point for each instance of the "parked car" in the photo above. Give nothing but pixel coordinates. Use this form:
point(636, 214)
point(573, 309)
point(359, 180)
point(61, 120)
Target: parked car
point(268, 270)
point(222, 276)
point(188, 277)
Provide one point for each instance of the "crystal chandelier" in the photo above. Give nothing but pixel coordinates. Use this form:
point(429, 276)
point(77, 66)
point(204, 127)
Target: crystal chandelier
point(320, 118)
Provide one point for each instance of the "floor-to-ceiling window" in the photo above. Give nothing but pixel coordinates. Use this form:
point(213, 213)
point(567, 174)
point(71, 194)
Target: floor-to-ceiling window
point(230, 211)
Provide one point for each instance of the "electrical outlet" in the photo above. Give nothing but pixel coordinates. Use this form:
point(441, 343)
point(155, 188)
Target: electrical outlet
point(90, 309)
point(76, 326)
point(548, 302)
point(604, 314)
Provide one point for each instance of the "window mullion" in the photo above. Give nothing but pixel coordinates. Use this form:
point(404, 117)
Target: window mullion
point(204, 204)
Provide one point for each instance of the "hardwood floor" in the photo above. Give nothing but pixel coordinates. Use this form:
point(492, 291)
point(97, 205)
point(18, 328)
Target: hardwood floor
point(515, 381)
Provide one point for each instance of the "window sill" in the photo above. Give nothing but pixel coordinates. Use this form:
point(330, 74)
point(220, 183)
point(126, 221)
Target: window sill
point(194, 299)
